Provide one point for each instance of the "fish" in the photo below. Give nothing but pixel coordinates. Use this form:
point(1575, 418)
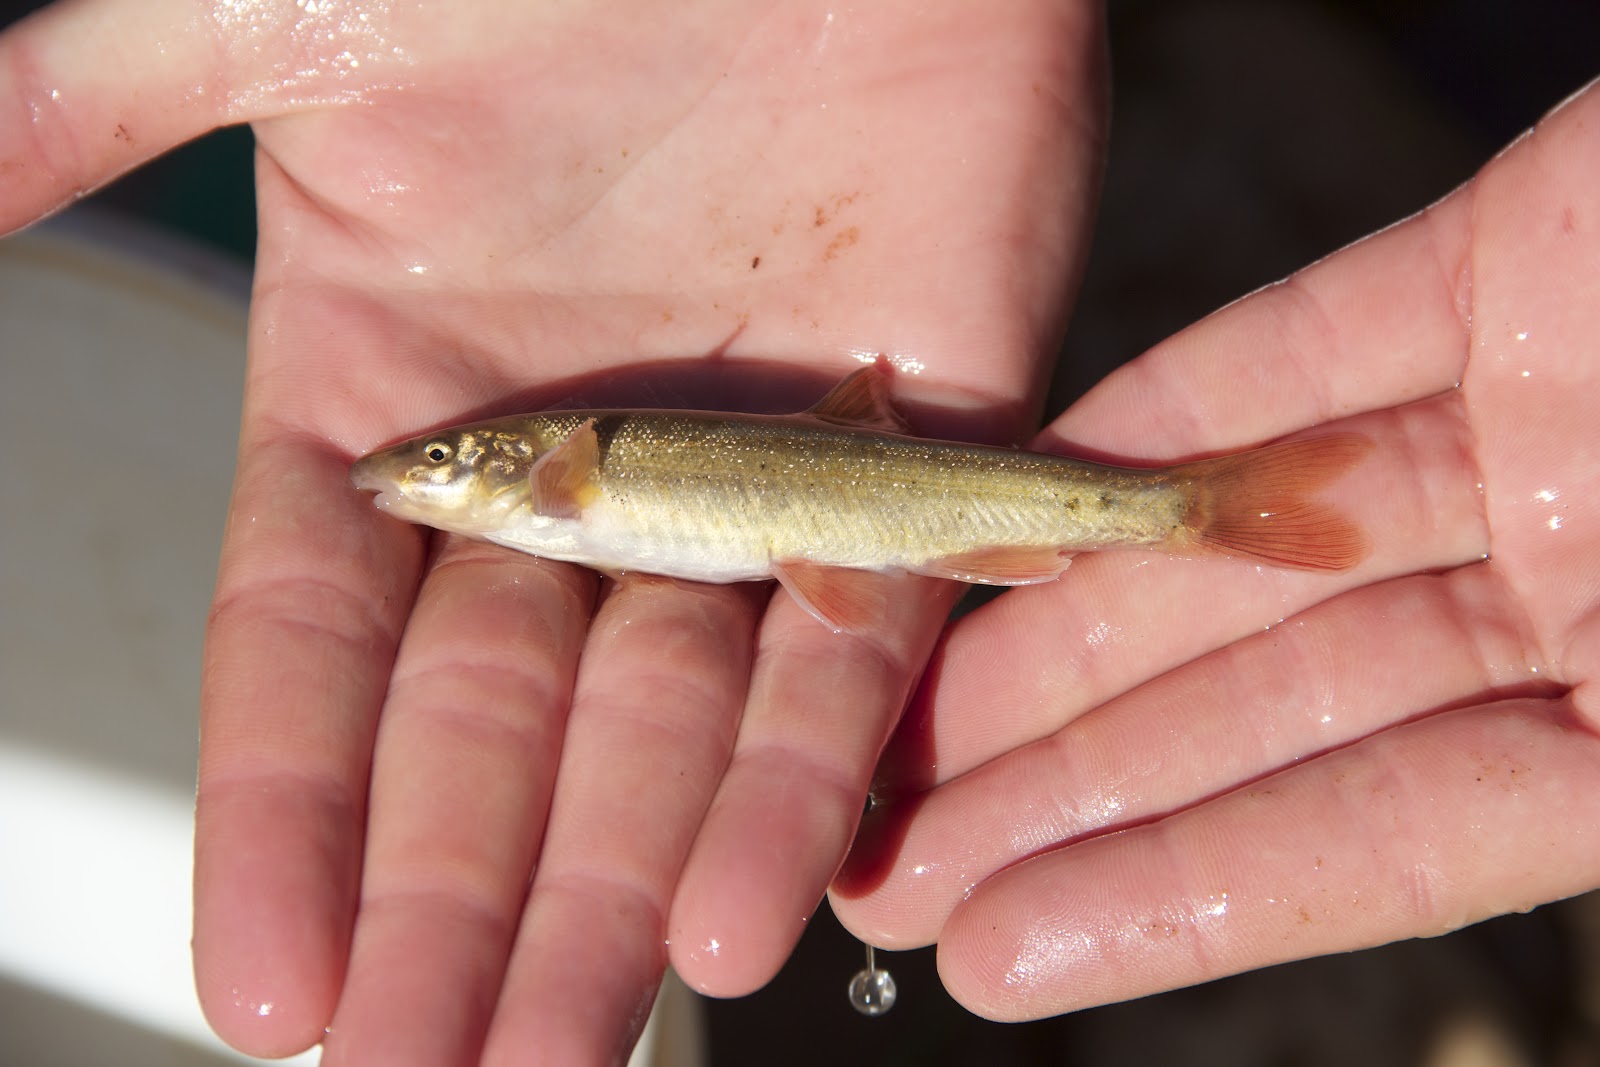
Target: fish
point(824, 499)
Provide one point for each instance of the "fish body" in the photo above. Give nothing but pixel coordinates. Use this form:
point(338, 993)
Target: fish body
point(811, 498)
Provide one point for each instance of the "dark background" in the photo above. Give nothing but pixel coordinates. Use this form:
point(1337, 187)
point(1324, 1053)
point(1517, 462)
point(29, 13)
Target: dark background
point(1296, 127)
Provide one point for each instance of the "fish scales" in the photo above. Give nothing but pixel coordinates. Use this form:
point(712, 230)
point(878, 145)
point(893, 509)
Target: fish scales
point(784, 487)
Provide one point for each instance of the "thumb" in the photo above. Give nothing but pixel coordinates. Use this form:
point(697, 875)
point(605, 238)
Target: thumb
point(90, 89)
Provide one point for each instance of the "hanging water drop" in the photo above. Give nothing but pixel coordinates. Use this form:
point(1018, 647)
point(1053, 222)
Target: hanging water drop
point(872, 990)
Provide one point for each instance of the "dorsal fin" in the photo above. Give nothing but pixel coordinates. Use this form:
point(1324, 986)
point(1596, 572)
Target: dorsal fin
point(862, 399)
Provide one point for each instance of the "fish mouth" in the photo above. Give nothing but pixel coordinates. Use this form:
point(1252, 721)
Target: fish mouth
point(366, 476)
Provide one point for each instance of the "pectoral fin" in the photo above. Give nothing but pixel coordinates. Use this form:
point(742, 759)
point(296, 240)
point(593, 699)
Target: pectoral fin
point(839, 598)
point(562, 480)
point(862, 399)
point(1002, 565)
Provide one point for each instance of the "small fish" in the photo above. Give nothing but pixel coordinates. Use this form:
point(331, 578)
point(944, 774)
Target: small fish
point(818, 498)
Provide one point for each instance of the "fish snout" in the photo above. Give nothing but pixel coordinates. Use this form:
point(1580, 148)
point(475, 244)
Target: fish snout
point(370, 475)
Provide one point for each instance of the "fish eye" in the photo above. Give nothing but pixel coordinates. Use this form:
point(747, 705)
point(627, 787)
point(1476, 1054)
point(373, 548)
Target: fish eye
point(437, 451)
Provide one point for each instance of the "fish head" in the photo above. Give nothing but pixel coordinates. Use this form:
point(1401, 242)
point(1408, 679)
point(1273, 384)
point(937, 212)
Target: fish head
point(467, 479)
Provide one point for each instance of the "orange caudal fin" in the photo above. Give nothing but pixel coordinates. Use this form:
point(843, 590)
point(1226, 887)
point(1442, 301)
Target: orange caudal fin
point(1261, 504)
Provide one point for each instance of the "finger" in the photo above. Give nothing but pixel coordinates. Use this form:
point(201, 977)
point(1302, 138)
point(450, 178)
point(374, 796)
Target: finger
point(309, 606)
point(654, 716)
point(820, 706)
point(1381, 323)
point(78, 81)
point(465, 756)
point(1348, 668)
point(1027, 664)
point(91, 89)
point(1416, 831)
point(1536, 231)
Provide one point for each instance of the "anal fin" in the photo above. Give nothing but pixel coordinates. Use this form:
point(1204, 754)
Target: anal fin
point(1002, 565)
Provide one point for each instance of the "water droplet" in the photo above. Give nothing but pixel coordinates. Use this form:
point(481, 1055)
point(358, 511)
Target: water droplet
point(872, 990)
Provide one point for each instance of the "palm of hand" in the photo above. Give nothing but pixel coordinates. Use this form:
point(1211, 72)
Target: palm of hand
point(419, 816)
point(1301, 764)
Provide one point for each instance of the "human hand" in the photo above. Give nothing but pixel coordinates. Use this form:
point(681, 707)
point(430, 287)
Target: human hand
point(1160, 771)
point(422, 821)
